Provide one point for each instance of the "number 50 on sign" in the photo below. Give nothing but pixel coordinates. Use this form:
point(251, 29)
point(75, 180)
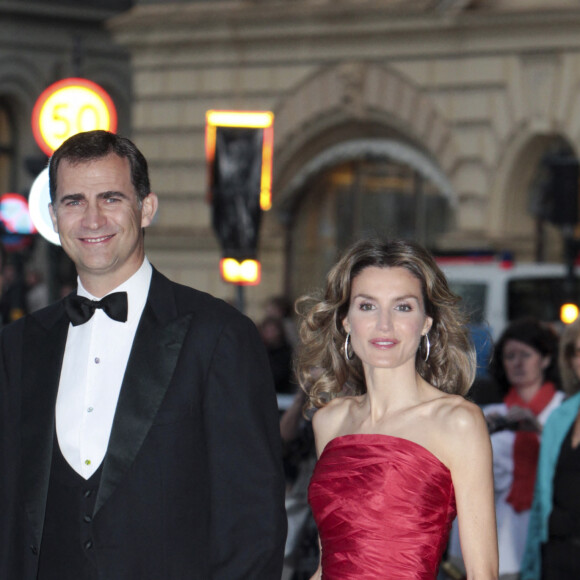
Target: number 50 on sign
point(69, 107)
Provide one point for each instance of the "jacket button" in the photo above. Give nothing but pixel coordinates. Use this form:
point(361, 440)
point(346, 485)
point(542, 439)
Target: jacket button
point(88, 544)
point(34, 550)
point(88, 519)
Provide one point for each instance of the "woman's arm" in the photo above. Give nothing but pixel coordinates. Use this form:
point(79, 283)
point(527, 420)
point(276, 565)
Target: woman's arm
point(318, 574)
point(292, 417)
point(470, 462)
point(324, 426)
point(318, 425)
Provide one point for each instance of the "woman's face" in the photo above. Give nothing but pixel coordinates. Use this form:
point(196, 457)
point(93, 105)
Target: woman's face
point(524, 365)
point(386, 317)
point(575, 358)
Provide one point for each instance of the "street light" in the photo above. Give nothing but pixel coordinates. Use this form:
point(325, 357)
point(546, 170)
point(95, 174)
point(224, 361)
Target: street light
point(239, 146)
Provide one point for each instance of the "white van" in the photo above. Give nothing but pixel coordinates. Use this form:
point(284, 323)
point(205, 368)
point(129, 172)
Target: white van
point(498, 292)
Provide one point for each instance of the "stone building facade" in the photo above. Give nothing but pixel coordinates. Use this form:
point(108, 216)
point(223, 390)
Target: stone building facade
point(421, 117)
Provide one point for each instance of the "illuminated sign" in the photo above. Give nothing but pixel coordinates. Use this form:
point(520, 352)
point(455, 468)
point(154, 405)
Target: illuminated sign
point(38, 201)
point(69, 107)
point(261, 120)
point(14, 214)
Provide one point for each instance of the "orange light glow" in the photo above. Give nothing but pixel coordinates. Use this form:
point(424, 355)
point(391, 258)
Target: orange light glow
point(568, 313)
point(245, 119)
point(245, 273)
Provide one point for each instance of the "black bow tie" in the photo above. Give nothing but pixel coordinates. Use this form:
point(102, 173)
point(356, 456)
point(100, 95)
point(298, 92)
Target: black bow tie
point(80, 309)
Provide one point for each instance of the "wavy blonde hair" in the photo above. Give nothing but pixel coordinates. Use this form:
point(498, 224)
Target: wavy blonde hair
point(320, 364)
point(570, 380)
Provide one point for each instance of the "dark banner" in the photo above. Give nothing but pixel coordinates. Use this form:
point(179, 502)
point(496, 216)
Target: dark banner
point(235, 190)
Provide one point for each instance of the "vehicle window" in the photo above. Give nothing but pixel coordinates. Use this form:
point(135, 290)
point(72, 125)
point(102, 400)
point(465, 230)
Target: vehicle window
point(539, 297)
point(474, 295)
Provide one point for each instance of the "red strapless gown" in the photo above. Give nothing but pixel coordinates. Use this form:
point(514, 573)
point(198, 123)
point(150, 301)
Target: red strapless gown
point(383, 507)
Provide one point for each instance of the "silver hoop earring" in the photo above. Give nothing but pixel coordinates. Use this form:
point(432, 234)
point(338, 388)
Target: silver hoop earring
point(427, 347)
point(347, 356)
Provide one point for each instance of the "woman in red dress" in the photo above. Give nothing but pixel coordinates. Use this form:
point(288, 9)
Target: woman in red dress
point(386, 358)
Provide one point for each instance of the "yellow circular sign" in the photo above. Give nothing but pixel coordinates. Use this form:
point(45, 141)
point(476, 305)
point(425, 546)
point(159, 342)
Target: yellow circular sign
point(69, 107)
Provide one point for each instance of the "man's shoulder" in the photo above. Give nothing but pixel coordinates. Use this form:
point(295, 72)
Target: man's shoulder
point(200, 303)
point(45, 316)
point(36, 325)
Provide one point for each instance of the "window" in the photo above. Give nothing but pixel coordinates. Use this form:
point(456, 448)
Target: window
point(6, 149)
point(473, 298)
point(539, 297)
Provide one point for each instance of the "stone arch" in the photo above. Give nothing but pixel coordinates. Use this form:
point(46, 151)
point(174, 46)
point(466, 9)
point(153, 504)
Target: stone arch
point(22, 80)
point(368, 149)
point(509, 195)
point(366, 99)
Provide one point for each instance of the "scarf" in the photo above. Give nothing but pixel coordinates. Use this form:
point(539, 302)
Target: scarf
point(526, 448)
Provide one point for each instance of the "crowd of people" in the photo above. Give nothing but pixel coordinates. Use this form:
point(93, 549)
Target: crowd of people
point(528, 370)
point(22, 291)
point(145, 410)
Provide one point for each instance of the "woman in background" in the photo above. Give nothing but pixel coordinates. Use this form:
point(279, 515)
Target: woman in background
point(553, 543)
point(524, 365)
point(385, 358)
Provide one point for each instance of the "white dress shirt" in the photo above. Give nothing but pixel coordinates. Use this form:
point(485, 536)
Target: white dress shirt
point(95, 359)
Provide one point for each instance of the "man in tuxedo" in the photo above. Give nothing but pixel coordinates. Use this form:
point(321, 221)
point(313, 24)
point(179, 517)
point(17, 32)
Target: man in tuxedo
point(139, 429)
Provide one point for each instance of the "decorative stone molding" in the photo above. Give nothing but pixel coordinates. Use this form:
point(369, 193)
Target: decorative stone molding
point(355, 91)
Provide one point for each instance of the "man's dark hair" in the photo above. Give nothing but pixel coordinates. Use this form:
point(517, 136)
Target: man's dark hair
point(91, 145)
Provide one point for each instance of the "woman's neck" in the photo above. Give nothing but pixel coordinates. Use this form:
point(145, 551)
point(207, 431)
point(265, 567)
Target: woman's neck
point(528, 392)
point(390, 390)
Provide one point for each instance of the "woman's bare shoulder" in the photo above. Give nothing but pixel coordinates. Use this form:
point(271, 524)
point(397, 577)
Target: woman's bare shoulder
point(457, 411)
point(332, 412)
point(461, 426)
point(328, 420)
point(457, 416)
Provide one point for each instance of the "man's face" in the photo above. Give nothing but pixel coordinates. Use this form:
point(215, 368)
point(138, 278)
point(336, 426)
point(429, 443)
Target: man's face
point(99, 219)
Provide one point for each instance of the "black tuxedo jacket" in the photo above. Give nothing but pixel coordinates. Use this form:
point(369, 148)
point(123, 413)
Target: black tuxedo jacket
point(192, 485)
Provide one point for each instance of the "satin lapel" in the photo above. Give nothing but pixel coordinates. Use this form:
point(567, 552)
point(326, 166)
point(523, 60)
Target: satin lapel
point(43, 354)
point(149, 370)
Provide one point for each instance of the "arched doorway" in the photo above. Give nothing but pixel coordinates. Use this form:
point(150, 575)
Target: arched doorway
point(361, 188)
point(522, 199)
point(554, 183)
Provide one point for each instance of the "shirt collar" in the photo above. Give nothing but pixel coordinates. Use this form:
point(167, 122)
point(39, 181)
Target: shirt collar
point(137, 288)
